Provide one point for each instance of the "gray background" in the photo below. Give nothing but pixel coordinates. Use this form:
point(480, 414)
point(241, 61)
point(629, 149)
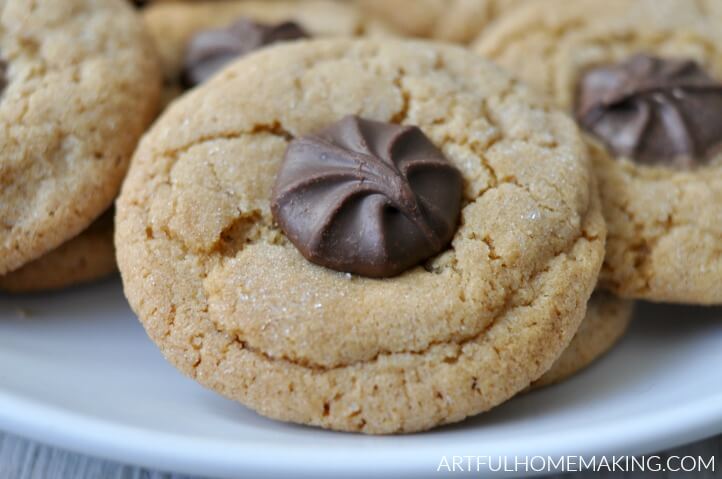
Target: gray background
point(22, 459)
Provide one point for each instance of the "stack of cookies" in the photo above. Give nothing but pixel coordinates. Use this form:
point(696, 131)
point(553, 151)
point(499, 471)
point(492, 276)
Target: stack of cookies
point(78, 88)
point(338, 225)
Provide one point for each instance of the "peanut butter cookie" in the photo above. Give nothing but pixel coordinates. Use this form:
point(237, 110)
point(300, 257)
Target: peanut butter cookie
point(79, 85)
point(195, 39)
point(644, 80)
point(87, 257)
point(458, 21)
point(605, 323)
point(348, 153)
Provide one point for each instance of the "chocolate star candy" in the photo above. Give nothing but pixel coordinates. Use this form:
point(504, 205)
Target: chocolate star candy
point(210, 50)
point(655, 111)
point(367, 197)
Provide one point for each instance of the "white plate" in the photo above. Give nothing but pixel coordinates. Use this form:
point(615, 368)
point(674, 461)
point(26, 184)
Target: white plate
point(78, 372)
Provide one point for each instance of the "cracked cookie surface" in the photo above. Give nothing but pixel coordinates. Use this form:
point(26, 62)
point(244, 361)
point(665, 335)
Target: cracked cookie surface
point(172, 25)
point(605, 323)
point(87, 257)
point(80, 89)
point(665, 228)
point(234, 305)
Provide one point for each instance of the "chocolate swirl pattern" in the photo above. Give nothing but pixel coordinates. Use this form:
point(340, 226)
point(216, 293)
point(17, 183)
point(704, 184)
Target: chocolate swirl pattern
point(656, 111)
point(367, 197)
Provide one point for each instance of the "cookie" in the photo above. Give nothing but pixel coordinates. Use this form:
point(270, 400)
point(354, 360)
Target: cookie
point(175, 27)
point(605, 323)
point(449, 20)
point(233, 303)
point(644, 79)
point(79, 87)
point(88, 257)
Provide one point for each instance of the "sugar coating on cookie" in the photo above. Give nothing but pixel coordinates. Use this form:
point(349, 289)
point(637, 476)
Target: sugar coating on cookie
point(80, 86)
point(90, 256)
point(233, 304)
point(605, 323)
point(449, 20)
point(665, 233)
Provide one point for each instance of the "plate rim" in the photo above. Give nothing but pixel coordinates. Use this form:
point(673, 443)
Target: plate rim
point(166, 452)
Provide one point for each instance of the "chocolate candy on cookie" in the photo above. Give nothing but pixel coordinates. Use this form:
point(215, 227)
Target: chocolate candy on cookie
point(644, 79)
point(367, 197)
point(210, 50)
point(197, 39)
point(656, 111)
point(361, 235)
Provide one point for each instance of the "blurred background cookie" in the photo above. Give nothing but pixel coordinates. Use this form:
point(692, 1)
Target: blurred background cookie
point(457, 21)
point(208, 34)
point(87, 257)
point(643, 78)
point(79, 86)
